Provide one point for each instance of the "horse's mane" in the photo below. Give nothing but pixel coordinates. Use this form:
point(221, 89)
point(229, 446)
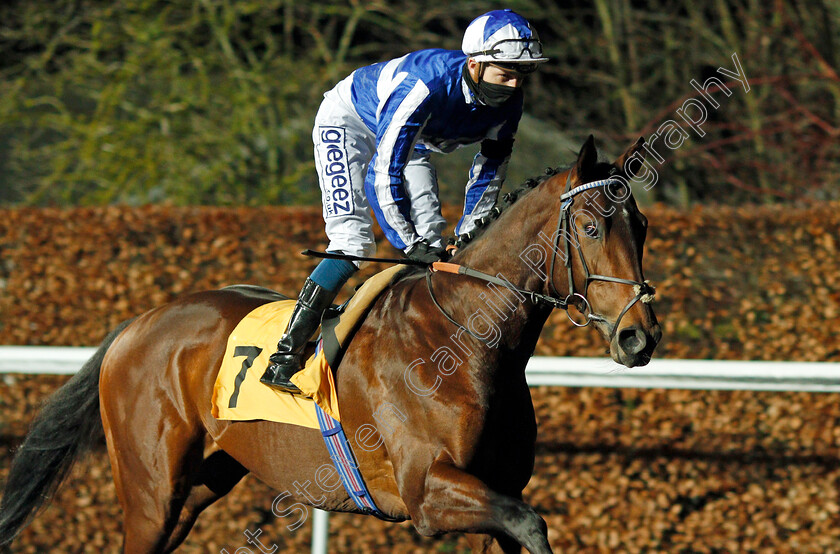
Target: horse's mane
point(508, 199)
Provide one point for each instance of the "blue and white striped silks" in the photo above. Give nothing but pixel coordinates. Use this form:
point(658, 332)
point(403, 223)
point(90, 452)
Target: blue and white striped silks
point(420, 102)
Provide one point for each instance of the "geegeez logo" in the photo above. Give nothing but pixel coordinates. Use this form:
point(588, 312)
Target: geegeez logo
point(335, 178)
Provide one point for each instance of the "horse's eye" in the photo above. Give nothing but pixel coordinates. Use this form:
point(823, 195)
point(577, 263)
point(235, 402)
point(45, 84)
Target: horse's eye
point(591, 231)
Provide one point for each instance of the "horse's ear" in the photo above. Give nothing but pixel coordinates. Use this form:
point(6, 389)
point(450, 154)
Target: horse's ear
point(587, 159)
point(621, 162)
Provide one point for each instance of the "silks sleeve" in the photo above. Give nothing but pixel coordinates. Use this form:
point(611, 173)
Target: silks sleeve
point(400, 117)
point(487, 174)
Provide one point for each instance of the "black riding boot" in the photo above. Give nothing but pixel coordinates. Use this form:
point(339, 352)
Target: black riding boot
point(306, 317)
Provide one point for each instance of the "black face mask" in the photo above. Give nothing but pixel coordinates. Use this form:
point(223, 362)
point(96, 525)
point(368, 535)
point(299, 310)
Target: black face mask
point(488, 94)
point(494, 95)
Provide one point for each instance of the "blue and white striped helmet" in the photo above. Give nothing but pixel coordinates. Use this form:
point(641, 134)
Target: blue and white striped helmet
point(502, 36)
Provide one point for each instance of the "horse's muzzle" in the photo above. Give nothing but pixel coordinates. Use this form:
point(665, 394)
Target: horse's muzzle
point(634, 345)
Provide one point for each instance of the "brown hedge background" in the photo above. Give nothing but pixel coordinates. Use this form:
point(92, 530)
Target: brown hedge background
point(617, 470)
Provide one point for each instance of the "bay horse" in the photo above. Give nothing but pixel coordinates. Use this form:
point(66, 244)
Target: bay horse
point(456, 440)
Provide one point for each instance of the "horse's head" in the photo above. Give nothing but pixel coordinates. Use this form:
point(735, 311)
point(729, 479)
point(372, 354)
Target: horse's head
point(596, 262)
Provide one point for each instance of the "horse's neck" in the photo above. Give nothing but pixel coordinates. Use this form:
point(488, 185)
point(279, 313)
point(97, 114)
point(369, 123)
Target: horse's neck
point(500, 251)
point(505, 245)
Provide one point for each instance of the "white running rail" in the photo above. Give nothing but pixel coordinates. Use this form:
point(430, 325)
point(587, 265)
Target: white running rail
point(551, 371)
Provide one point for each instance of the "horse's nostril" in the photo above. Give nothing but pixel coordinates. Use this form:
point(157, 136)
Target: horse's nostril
point(632, 340)
point(657, 334)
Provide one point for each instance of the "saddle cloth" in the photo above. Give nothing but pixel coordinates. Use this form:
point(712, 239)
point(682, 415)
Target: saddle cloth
point(238, 394)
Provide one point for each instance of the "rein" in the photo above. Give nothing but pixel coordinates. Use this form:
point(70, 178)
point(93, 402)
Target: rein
point(456, 269)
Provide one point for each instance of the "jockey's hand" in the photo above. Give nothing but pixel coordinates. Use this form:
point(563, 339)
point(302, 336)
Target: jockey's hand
point(424, 252)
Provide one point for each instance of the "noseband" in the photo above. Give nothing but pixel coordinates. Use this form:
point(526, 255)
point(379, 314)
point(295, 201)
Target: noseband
point(644, 291)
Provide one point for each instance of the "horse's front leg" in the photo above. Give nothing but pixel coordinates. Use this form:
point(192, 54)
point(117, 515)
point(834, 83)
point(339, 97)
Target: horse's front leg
point(493, 544)
point(455, 501)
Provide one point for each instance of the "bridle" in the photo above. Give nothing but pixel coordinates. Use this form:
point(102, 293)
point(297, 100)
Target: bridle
point(644, 290)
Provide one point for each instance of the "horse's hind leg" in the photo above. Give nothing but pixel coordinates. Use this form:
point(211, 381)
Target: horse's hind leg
point(153, 484)
point(163, 495)
point(218, 474)
point(154, 461)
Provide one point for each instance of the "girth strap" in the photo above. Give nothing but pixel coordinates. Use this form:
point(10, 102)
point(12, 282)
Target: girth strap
point(345, 464)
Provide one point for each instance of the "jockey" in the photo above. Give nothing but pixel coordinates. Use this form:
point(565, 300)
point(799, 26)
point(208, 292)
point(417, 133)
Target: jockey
point(373, 135)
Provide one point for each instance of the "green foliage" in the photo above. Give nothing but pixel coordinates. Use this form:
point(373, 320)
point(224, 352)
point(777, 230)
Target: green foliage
point(155, 101)
point(212, 101)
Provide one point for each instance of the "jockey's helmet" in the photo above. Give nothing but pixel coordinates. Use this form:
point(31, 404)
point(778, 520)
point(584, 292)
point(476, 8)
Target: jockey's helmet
point(503, 37)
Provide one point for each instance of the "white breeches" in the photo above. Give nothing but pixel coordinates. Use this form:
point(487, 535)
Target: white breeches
point(343, 148)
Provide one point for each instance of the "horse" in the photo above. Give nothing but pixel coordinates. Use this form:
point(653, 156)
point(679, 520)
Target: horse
point(454, 440)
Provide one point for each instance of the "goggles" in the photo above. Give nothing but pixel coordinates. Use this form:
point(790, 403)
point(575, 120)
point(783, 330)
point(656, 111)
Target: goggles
point(513, 49)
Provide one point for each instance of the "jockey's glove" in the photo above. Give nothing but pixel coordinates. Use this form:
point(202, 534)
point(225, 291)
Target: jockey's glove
point(424, 252)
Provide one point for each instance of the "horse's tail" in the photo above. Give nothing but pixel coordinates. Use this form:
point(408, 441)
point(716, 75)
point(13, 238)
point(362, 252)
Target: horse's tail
point(67, 427)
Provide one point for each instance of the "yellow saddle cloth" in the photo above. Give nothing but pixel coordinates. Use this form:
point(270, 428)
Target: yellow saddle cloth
point(238, 394)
